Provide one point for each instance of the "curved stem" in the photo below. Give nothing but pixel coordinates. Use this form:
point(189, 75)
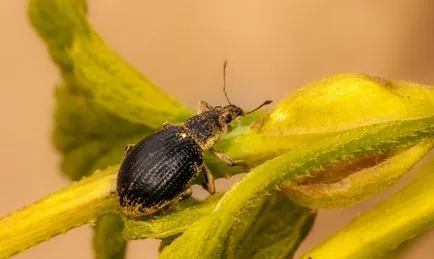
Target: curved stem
point(75, 205)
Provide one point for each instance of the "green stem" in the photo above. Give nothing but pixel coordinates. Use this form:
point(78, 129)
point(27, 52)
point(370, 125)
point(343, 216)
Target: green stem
point(407, 214)
point(171, 224)
point(78, 204)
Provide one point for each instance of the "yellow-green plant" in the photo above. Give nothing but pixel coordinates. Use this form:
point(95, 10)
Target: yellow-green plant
point(332, 143)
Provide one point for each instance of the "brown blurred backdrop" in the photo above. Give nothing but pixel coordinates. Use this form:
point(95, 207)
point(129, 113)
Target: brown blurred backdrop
point(272, 47)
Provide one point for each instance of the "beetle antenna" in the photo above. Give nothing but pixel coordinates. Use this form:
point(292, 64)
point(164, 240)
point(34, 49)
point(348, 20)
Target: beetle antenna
point(225, 64)
point(260, 106)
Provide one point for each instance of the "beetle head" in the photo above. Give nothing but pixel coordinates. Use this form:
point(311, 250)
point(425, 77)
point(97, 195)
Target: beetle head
point(229, 113)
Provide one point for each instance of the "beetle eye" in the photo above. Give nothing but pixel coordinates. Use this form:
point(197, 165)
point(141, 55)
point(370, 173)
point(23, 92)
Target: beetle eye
point(227, 118)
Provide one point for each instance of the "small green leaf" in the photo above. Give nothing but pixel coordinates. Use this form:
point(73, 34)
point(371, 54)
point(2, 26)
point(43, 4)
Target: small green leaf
point(274, 229)
point(113, 247)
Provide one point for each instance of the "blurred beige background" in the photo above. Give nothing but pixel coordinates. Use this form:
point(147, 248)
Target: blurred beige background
point(272, 47)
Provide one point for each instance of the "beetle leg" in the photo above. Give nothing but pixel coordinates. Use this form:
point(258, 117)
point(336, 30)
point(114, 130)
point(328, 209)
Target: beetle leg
point(203, 106)
point(209, 183)
point(186, 194)
point(227, 160)
point(128, 148)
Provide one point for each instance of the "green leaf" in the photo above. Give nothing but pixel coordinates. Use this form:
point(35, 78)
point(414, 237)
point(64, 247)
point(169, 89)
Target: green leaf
point(121, 90)
point(89, 137)
point(113, 247)
point(91, 67)
point(273, 229)
point(407, 214)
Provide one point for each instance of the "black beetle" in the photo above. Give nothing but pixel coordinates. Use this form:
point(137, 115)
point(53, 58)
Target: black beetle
point(160, 169)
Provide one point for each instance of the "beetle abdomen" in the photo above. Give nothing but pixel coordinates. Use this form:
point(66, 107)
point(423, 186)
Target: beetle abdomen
point(157, 170)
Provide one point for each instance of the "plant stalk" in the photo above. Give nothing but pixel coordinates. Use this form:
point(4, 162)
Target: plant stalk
point(78, 204)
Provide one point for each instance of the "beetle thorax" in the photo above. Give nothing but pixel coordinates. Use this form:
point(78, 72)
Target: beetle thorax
point(208, 127)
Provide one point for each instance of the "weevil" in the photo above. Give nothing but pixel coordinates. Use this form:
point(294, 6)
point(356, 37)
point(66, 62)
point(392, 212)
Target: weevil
point(160, 169)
